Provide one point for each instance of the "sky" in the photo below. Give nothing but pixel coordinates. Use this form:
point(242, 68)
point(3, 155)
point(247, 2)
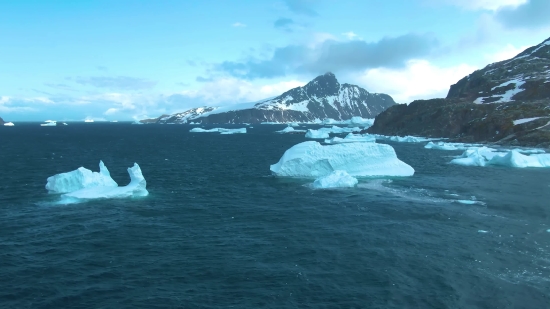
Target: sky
point(133, 59)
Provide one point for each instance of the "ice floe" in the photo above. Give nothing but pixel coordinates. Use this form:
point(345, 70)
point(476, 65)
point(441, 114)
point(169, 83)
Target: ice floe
point(79, 179)
point(219, 130)
point(336, 179)
point(9, 124)
point(311, 159)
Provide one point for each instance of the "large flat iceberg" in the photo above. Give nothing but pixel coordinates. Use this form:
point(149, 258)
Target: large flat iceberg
point(136, 188)
point(79, 179)
point(336, 179)
point(311, 159)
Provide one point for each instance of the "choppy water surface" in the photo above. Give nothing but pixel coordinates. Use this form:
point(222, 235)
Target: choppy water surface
point(218, 231)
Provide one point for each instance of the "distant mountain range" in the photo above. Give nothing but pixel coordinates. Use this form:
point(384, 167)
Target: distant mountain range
point(507, 102)
point(323, 97)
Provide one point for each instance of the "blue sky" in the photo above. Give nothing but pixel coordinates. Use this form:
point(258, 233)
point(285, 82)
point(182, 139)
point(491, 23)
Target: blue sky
point(132, 59)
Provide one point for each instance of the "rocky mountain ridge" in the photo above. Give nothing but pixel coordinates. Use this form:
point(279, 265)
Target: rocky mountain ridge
point(323, 97)
point(507, 102)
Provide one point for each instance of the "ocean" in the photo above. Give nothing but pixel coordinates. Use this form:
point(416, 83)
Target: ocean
point(219, 231)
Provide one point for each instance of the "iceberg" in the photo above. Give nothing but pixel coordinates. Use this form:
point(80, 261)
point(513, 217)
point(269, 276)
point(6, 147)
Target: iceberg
point(324, 132)
point(450, 146)
point(351, 138)
point(9, 124)
point(79, 179)
point(408, 139)
point(220, 130)
point(483, 156)
point(475, 156)
point(289, 129)
point(317, 133)
point(136, 188)
point(49, 123)
point(336, 179)
point(311, 159)
point(515, 159)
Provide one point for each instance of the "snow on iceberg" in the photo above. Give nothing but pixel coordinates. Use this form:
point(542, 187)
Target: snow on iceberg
point(351, 138)
point(136, 188)
point(336, 179)
point(311, 159)
point(79, 179)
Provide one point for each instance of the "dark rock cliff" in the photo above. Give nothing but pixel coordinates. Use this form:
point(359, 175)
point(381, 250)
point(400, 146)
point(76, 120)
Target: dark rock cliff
point(483, 106)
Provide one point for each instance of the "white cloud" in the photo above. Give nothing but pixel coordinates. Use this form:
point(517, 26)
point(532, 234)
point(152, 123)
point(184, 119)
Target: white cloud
point(350, 35)
point(419, 80)
point(507, 52)
point(232, 90)
point(238, 25)
point(491, 5)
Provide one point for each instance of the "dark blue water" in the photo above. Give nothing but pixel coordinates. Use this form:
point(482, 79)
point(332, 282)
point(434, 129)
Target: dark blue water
point(218, 231)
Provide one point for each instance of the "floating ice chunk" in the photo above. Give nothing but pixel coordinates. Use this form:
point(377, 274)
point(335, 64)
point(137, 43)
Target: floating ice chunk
point(515, 159)
point(351, 138)
point(441, 146)
point(201, 130)
point(470, 202)
point(9, 124)
point(317, 133)
point(482, 231)
point(530, 151)
point(289, 129)
point(336, 179)
point(232, 131)
point(79, 179)
point(220, 130)
point(311, 159)
point(136, 188)
point(408, 139)
point(475, 156)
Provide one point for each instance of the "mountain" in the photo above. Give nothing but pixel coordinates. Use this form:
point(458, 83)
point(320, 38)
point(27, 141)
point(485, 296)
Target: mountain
point(2, 121)
point(507, 102)
point(323, 97)
point(524, 77)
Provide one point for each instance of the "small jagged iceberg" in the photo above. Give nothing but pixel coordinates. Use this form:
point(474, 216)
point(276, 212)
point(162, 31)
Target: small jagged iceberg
point(83, 184)
point(311, 159)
